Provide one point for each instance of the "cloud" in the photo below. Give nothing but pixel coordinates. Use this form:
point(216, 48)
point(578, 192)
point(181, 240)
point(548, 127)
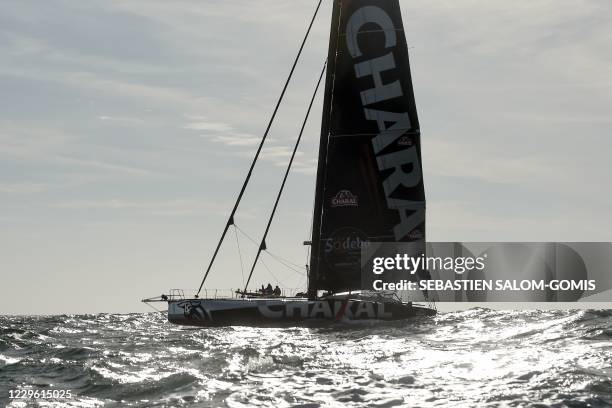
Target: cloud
point(120, 106)
point(468, 221)
point(127, 89)
point(169, 208)
point(212, 126)
point(220, 132)
point(126, 120)
point(227, 135)
point(457, 160)
point(306, 167)
point(237, 139)
point(279, 156)
point(185, 16)
point(23, 188)
point(26, 140)
point(106, 166)
point(276, 153)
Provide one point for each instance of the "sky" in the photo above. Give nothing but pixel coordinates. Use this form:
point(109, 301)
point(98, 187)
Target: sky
point(127, 127)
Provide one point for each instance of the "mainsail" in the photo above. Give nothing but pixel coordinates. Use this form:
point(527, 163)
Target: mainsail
point(369, 177)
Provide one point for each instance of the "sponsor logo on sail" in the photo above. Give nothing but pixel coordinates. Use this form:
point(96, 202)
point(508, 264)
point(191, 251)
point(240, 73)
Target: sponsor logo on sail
point(404, 141)
point(345, 198)
point(346, 240)
point(342, 249)
point(416, 235)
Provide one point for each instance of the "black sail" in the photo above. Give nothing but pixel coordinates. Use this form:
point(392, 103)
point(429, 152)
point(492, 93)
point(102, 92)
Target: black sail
point(369, 178)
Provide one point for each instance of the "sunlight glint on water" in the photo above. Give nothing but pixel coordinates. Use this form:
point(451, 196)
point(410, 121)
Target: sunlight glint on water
point(473, 358)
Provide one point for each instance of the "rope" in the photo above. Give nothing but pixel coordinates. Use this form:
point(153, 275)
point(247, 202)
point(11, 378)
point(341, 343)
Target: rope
point(246, 235)
point(239, 254)
point(153, 307)
point(288, 266)
point(273, 276)
point(230, 220)
point(262, 245)
point(276, 257)
point(284, 260)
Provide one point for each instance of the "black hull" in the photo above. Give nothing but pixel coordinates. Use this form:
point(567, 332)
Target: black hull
point(288, 312)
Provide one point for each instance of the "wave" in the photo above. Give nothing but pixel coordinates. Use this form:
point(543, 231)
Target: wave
point(477, 357)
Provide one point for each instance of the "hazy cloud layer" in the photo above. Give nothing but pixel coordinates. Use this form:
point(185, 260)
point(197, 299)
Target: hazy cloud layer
point(127, 128)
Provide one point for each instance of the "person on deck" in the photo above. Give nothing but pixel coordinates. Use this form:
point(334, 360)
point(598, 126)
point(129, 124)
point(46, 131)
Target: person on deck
point(277, 291)
point(269, 289)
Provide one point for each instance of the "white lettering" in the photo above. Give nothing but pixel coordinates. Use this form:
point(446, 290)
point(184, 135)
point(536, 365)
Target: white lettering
point(404, 163)
point(269, 313)
point(365, 308)
point(380, 92)
point(388, 135)
point(321, 308)
point(399, 177)
point(299, 307)
point(381, 312)
point(363, 16)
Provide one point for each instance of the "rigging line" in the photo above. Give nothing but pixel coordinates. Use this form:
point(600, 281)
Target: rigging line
point(154, 308)
point(292, 269)
point(275, 257)
point(246, 235)
point(295, 271)
point(285, 261)
point(278, 258)
point(239, 254)
point(230, 220)
point(284, 285)
point(262, 245)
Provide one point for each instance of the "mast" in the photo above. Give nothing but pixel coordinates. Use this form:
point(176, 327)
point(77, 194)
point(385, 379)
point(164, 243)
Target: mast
point(323, 144)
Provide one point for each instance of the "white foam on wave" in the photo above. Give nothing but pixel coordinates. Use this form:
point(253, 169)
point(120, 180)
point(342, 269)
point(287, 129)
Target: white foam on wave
point(9, 360)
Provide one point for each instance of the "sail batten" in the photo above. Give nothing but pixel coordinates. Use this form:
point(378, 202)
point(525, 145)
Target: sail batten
point(369, 179)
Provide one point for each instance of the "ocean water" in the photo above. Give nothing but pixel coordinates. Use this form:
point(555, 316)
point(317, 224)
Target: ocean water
point(472, 358)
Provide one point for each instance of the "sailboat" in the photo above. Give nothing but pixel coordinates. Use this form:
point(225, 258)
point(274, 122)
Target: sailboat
point(369, 184)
